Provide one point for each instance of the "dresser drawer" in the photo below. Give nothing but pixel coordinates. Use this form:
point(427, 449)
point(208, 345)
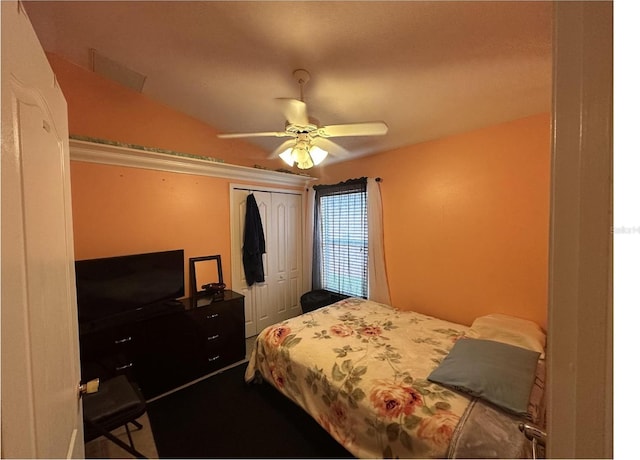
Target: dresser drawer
point(217, 318)
point(215, 358)
point(109, 342)
point(210, 318)
point(109, 352)
point(213, 310)
point(214, 340)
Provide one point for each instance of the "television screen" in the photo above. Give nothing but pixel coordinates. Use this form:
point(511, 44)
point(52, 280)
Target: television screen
point(116, 285)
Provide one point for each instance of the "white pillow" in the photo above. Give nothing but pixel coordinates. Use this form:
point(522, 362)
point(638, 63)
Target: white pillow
point(511, 330)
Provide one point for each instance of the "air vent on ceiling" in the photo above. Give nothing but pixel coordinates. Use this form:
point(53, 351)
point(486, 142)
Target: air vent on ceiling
point(115, 71)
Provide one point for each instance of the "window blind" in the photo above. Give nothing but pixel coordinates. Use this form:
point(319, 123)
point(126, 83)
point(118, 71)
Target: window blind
point(341, 246)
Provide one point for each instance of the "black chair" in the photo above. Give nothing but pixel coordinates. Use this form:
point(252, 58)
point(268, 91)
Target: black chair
point(117, 403)
point(318, 298)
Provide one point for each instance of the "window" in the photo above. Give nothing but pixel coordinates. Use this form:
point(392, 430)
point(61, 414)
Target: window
point(341, 238)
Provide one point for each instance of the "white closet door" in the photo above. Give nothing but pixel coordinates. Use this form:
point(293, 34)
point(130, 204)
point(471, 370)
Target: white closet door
point(262, 292)
point(256, 297)
point(278, 298)
point(238, 281)
point(286, 246)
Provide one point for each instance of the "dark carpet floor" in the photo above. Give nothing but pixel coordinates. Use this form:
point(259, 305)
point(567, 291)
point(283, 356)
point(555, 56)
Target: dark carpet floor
point(223, 416)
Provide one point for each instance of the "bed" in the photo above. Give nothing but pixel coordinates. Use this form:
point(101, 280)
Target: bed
point(367, 373)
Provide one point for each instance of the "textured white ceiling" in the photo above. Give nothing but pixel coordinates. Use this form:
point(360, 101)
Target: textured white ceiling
point(428, 69)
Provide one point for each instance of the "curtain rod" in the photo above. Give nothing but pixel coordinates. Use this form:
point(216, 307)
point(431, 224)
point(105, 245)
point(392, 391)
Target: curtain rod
point(378, 179)
point(264, 191)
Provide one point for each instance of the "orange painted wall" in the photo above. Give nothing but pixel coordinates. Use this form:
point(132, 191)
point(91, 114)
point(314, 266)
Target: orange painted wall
point(466, 220)
point(119, 210)
point(101, 108)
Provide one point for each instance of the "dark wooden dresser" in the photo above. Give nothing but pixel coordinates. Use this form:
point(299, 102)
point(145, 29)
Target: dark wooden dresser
point(162, 347)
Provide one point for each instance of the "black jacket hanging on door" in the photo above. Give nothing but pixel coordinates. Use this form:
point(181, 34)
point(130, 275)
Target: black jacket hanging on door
point(253, 245)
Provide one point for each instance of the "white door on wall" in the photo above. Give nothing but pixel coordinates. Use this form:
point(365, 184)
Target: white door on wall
point(286, 249)
point(256, 297)
point(41, 412)
point(278, 297)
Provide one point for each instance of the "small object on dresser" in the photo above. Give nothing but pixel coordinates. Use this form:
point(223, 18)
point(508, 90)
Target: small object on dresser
point(215, 291)
point(214, 287)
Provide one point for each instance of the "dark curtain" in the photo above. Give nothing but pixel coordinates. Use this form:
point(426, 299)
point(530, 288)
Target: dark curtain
point(253, 244)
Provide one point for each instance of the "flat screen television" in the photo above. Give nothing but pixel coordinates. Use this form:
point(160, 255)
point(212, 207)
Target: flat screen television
point(117, 285)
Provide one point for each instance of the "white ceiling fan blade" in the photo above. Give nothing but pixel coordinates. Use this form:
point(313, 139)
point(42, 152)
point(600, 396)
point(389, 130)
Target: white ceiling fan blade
point(295, 111)
point(374, 128)
point(330, 146)
point(281, 148)
point(263, 134)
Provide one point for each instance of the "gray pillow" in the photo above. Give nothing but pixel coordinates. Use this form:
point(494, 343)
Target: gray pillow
point(496, 372)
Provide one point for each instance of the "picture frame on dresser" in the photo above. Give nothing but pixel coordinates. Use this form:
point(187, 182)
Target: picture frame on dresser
point(206, 280)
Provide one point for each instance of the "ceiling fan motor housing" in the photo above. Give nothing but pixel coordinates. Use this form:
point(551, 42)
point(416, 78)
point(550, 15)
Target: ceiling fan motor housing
point(295, 129)
point(301, 76)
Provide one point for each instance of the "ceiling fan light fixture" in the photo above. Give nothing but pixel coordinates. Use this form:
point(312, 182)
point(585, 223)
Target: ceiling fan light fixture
point(317, 154)
point(305, 162)
point(287, 156)
point(300, 153)
point(303, 156)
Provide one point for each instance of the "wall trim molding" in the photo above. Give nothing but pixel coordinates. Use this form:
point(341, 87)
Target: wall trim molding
point(93, 152)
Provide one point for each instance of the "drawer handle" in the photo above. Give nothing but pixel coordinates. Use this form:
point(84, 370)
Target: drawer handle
point(213, 359)
point(213, 315)
point(213, 337)
point(125, 340)
point(126, 366)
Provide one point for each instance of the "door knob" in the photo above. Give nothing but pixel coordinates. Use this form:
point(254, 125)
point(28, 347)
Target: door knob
point(533, 432)
point(87, 388)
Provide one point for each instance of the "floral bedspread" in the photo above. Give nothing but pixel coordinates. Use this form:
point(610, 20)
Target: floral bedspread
point(360, 368)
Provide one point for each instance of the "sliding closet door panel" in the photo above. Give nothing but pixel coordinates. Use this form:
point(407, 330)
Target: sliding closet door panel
point(264, 312)
point(280, 256)
point(289, 253)
point(264, 206)
point(250, 323)
point(294, 259)
point(262, 292)
point(238, 279)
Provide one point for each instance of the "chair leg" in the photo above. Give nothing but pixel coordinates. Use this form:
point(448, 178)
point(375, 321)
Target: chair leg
point(126, 427)
point(115, 440)
point(137, 424)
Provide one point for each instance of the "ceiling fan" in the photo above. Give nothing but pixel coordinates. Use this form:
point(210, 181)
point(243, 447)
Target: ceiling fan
point(310, 142)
